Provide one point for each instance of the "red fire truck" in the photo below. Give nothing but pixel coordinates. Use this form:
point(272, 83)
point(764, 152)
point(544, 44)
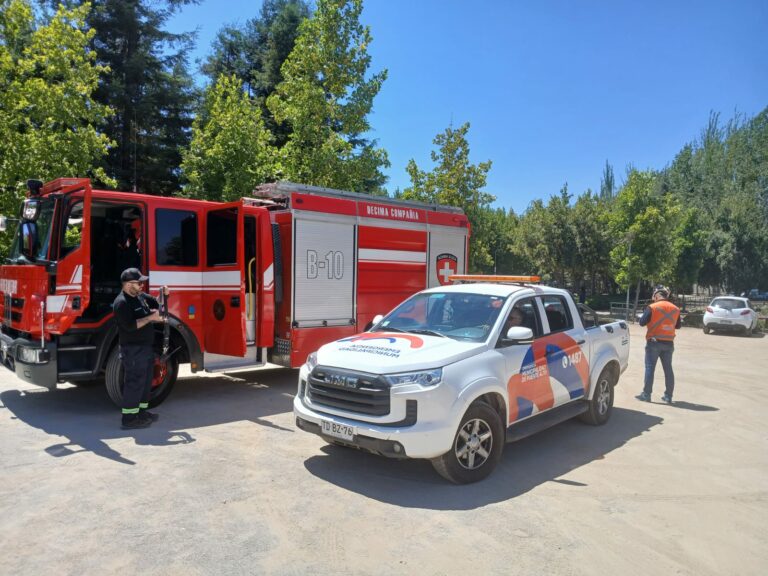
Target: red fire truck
point(264, 279)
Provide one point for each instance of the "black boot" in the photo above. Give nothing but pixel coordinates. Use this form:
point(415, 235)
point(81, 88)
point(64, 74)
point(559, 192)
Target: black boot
point(148, 416)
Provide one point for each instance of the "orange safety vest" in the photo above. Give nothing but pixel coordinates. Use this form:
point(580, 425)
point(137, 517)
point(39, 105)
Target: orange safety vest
point(663, 320)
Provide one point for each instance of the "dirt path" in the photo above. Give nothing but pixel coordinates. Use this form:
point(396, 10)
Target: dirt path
point(225, 484)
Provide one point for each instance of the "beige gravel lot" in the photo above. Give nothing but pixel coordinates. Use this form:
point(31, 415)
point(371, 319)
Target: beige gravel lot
point(225, 484)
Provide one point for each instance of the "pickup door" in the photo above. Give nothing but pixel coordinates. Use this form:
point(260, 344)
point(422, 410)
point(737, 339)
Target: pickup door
point(554, 369)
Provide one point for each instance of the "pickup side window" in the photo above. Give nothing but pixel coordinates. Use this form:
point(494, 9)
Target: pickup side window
point(588, 316)
point(558, 314)
point(523, 313)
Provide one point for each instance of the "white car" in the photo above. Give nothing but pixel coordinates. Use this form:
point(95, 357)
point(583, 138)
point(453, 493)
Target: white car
point(456, 371)
point(730, 313)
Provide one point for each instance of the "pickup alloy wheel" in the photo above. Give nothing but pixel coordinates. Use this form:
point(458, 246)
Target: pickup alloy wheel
point(601, 405)
point(476, 449)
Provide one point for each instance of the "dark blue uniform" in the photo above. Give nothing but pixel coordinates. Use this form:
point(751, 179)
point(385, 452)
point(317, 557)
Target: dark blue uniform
point(136, 351)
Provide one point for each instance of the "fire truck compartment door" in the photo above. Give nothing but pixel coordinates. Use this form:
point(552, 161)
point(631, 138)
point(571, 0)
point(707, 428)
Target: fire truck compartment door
point(324, 273)
point(73, 269)
point(446, 255)
point(223, 287)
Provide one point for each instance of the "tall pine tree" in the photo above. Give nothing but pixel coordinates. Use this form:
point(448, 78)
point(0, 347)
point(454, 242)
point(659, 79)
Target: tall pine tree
point(254, 53)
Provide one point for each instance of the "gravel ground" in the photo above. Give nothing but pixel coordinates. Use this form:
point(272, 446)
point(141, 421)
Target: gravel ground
point(225, 484)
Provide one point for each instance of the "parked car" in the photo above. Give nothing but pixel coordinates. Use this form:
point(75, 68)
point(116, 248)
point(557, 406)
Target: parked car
point(455, 371)
point(755, 294)
point(730, 313)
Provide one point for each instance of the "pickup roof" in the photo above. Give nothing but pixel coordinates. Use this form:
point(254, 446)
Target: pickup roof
point(447, 375)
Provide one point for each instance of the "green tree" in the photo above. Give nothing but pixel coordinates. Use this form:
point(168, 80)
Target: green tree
point(607, 184)
point(230, 152)
point(642, 223)
point(454, 181)
point(592, 240)
point(255, 51)
point(149, 88)
point(49, 120)
point(533, 243)
point(688, 246)
point(325, 99)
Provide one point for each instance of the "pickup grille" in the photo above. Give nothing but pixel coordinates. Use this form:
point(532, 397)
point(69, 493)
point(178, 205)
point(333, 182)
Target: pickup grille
point(350, 391)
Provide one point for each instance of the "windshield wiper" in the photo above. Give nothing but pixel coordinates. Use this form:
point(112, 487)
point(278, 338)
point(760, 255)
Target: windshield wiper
point(428, 332)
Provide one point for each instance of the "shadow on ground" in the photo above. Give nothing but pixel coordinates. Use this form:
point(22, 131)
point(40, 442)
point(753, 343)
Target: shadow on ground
point(86, 418)
point(525, 465)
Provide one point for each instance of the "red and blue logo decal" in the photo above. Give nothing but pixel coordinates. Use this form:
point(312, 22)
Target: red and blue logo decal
point(555, 357)
point(415, 341)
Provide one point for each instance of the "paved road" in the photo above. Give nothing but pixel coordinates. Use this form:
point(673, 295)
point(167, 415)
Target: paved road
point(225, 484)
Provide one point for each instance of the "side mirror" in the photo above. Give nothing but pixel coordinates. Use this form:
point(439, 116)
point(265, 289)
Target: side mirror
point(519, 334)
point(28, 240)
point(378, 318)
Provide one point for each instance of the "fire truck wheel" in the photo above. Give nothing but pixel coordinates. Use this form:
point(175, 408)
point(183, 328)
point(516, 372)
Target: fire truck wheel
point(601, 405)
point(163, 380)
point(477, 446)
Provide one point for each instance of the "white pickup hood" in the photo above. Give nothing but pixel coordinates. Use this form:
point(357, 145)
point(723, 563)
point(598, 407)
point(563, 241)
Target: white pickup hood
point(391, 352)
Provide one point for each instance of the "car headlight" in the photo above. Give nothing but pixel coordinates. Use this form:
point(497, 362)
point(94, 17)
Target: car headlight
point(422, 378)
point(311, 361)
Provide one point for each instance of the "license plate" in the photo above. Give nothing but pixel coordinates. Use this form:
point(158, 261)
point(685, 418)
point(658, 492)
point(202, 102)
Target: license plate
point(725, 321)
point(340, 431)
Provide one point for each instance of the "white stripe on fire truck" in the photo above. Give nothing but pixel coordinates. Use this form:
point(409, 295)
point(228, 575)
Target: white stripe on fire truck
point(77, 275)
point(269, 277)
point(65, 287)
point(218, 280)
point(377, 255)
point(55, 303)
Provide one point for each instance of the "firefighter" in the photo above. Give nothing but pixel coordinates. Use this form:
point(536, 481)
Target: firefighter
point(661, 319)
point(135, 312)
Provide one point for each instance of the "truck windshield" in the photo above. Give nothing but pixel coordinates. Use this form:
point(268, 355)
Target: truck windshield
point(32, 239)
point(456, 315)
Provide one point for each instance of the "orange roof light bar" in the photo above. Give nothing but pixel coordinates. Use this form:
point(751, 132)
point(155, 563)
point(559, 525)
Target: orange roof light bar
point(499, 279)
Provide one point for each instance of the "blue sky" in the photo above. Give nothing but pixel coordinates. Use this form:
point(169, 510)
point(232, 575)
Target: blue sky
point(552, 89)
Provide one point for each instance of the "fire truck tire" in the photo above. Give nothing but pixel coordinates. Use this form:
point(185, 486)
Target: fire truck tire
point(160, 390)
point(477, 446)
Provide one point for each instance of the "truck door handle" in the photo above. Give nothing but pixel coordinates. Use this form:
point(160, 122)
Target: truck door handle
point(234, 302)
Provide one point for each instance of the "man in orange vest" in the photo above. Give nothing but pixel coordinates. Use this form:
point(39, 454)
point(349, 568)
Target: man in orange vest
point(661, 319)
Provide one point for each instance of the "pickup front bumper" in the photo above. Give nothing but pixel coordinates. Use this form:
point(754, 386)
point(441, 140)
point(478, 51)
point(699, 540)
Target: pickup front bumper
point(420, 424)
point(29, 361)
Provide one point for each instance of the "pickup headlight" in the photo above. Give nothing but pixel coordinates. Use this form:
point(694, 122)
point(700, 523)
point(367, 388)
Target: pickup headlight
point(423, 378)
point(311, 361)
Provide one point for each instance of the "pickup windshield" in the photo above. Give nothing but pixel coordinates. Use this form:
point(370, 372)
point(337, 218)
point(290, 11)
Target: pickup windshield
point(32, 239)
point(456, 315)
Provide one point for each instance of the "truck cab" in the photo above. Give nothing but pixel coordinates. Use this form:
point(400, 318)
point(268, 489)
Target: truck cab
point(454, 372)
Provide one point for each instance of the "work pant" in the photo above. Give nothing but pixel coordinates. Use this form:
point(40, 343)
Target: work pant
point(659, 350)
point(138, 363)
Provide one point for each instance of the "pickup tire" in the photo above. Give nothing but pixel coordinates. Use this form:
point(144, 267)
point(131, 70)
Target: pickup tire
point(165, 374)
point(601, 404)
point(477, 446)
point(707, 329)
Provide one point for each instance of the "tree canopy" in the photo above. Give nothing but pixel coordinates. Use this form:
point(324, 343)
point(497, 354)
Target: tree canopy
point(49, 119)
point(325, 98)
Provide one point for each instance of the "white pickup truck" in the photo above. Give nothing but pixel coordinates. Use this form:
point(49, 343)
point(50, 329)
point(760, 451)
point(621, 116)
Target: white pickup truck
point(455, 371)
